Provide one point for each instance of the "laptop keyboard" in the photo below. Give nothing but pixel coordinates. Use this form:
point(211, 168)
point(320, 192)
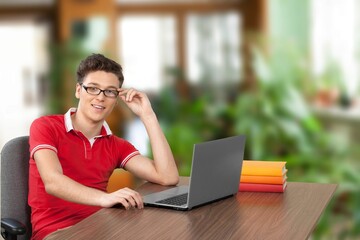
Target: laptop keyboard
point(178, 200)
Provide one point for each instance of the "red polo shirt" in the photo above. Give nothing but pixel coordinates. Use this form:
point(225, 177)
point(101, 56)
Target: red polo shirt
point(89, 162)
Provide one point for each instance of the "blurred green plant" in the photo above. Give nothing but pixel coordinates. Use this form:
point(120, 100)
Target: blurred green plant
point(331, 84)
point(274, 115)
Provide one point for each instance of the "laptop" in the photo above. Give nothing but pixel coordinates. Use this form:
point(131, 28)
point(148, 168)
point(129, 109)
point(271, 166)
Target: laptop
point(215, 175)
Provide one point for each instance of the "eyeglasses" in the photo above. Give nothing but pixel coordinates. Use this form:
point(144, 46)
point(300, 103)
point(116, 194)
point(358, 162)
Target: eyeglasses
point(96, 91)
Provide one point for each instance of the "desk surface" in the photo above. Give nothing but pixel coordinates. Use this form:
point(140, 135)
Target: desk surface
point(249, 215)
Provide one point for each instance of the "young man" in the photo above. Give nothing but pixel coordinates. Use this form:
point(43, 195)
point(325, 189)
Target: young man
point(73, 155)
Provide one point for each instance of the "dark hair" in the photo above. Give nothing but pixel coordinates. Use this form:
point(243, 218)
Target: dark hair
point(98, 62)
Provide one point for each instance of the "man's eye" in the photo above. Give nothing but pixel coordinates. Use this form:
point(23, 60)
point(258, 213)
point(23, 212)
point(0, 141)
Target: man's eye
point(111, 92)
point(93, 89)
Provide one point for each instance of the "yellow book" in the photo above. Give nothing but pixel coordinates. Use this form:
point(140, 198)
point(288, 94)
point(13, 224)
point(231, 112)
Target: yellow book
point(263, 168)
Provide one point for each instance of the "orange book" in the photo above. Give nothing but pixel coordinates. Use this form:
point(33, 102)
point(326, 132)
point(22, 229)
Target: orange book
point(263, 179)
point(263, 168)
point(259, 187)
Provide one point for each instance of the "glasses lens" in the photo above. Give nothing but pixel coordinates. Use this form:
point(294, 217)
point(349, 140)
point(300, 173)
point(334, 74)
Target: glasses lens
point(93, 90)
point(111, 93)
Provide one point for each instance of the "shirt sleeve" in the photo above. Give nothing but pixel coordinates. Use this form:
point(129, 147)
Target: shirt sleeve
point(42, 136)
point(127, 151)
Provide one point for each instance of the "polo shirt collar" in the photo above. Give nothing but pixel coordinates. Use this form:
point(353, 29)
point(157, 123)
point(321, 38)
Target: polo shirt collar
point(105, 131)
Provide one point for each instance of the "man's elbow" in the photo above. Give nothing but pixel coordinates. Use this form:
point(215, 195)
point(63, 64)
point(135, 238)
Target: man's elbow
point(51, 188)
point(171, 181)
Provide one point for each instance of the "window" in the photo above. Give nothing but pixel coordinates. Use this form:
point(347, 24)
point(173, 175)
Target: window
point(23, 62)
point(213, 52)
point(335, 40)
point(147, 48)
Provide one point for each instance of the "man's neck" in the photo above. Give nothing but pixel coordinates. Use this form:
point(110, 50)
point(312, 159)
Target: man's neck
point(88, 128)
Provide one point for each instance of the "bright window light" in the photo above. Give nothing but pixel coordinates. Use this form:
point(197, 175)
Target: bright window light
point(147, 48)
point(334, 33)
point(22, 61)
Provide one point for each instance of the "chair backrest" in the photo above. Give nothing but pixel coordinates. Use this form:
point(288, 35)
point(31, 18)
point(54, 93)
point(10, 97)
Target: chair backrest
point(14, 182)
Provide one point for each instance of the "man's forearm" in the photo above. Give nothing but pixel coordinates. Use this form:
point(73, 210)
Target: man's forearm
point(72, 191)
point(163, 158)
point(65, 188)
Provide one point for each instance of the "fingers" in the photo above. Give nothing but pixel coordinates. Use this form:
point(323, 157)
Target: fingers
point(137, 101)
point(128, 198)
point(128, 94)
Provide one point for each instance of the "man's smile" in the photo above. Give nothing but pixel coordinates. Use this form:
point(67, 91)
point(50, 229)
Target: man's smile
point(98, 106)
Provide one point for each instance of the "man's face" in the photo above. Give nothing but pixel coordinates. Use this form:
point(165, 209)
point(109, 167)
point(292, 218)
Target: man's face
point(96, 107)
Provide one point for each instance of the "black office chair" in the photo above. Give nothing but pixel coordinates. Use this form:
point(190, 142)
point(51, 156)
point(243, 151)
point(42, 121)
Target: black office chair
point(15, 211)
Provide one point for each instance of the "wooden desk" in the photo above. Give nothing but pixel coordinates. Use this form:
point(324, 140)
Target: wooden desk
point(291, 215)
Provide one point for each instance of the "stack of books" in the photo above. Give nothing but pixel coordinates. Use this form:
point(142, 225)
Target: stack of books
point(263, 176)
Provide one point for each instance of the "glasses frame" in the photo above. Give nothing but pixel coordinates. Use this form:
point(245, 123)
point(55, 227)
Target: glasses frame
point(100, 91)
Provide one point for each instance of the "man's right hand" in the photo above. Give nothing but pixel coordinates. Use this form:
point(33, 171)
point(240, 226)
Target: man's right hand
point(125, 196)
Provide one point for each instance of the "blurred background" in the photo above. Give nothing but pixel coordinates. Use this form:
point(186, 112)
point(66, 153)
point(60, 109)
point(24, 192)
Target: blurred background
point(283, 72)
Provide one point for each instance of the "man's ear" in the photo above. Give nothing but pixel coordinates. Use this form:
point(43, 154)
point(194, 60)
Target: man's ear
point(77, 91)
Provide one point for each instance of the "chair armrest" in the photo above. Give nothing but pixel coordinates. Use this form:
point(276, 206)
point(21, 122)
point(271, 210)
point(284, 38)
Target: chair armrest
point(13, 226)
